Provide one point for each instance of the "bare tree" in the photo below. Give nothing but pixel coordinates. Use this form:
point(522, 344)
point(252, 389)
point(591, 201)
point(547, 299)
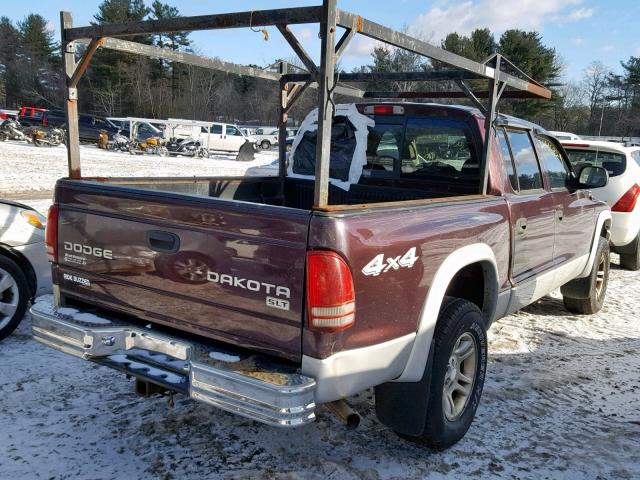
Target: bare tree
point(595, 83)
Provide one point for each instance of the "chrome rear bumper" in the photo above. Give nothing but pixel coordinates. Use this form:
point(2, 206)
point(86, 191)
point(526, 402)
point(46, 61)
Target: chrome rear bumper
point(251, 386)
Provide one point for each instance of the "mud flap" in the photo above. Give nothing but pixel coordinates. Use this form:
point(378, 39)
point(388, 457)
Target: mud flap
point(402, 406)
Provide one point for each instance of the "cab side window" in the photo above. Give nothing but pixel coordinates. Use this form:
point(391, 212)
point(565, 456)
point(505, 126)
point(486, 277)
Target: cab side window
point(525, 160)
point(216, 128)
point(231, 130)
point(553, 162)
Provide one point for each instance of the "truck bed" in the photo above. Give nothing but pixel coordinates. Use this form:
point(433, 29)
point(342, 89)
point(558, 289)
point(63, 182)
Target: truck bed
point(295, 192)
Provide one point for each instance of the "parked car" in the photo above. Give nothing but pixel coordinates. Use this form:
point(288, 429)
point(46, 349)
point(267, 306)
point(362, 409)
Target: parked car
point(7, 114)
point(621, 193)
point(24, 270)
point(266, 137)
point(30, 116)
point(268, 170)
point(90, 126)
point(563, 136)
point(392, 286)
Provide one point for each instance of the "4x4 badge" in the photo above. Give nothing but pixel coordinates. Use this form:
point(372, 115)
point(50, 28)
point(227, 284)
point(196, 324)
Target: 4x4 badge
point(379, 265)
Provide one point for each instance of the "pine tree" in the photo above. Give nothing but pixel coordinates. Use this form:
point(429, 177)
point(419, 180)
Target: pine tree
point(111, 73)
point(36, 38)
point(9, 42)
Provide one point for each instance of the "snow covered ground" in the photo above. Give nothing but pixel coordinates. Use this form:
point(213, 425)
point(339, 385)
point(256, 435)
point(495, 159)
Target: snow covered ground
point(27, 171)
point(562, 400)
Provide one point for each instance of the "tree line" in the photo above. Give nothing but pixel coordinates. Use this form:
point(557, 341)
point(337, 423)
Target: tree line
point(119, 84)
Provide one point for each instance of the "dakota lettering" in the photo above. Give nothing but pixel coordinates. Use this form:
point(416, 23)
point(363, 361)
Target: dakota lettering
point(248, 284)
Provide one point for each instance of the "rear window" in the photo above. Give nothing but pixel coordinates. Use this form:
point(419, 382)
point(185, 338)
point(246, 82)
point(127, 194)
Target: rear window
point(435, 147)
point(426, 148)
point(614, 163)
point(415, 154)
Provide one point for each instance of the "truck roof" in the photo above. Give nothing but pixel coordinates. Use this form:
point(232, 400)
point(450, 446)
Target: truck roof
point(502, 119)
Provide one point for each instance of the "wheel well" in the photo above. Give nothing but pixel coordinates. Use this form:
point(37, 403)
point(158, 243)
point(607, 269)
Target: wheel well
point(606, 229)
point(24, 264)
point(476, 283)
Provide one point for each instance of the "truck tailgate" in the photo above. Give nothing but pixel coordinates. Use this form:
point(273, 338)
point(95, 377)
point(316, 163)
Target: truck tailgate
point(227, 270)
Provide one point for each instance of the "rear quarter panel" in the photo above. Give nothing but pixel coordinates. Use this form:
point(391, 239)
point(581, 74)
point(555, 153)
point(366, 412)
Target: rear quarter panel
point(389, 305)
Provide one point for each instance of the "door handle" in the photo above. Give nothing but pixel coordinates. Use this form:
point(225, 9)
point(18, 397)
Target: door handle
point(163, 242)
point(521, 224)
point(559, 214)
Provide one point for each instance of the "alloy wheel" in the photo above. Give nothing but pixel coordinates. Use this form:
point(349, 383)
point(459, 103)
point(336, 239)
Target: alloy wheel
point(460, 376)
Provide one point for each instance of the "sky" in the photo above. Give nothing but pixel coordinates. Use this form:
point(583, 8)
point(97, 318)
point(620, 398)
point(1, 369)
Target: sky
point(581, 31)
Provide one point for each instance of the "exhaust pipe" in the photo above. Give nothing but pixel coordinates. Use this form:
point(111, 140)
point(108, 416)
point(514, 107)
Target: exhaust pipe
point(345, 413)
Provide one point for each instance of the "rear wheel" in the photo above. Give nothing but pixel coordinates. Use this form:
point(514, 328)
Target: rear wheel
point(586, 295)
point(14, 296)
point(265, 144)
point(457, 376)
point(631, 261)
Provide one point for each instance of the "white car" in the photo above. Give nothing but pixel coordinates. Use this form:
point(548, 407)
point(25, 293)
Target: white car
point(564, 136)
point(621, 193)
point(25, 272)
point(269, 170)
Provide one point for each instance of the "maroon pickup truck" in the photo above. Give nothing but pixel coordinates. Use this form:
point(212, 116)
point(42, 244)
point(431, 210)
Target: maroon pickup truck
point(239, 293)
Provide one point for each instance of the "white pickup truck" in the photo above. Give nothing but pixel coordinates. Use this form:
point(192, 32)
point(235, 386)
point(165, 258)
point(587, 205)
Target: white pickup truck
point(223, 137)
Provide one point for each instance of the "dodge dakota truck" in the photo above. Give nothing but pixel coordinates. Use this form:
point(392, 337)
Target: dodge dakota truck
point(238, 292)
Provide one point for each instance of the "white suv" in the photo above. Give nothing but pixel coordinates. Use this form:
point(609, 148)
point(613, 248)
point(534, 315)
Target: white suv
point(621, 193)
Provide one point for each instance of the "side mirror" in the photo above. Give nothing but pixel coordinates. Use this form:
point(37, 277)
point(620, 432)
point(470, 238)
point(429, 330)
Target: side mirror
point(592, 177)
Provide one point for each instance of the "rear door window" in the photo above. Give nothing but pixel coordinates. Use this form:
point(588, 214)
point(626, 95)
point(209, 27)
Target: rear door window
point(526, 162)
point(507, 159)
point(553, 162)
point(216, 128)
point(613, 162)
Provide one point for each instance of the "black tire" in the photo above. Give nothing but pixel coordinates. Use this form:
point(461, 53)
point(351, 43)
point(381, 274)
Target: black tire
point(631, 261)
point(459, 319)
point(586, 295)
point(265, 145)
point(19, 288)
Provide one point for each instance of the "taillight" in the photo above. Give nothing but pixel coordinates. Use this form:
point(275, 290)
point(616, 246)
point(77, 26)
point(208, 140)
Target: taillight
point(628, 201)
point(51, 233)
point(384, 110)
point(331, 301)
